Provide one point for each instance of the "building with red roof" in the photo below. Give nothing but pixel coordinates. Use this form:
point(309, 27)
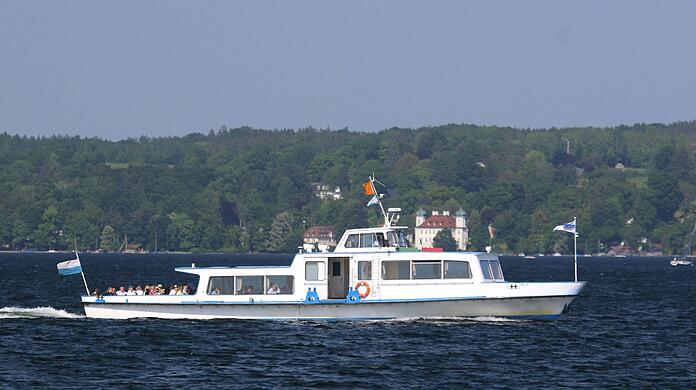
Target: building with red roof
point(427, 228)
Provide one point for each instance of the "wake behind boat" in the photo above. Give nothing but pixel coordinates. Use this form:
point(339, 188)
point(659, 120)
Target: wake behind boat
point(373, 273)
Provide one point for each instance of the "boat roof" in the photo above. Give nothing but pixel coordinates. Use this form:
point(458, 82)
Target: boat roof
point(374, 229)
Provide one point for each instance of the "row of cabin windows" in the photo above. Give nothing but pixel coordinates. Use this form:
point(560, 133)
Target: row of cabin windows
point(376, 240)
point(251, 285)
point(425, 269)
point(407, 269)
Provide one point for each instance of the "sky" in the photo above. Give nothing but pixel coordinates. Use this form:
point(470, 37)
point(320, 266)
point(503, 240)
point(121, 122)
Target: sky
point(168, 68)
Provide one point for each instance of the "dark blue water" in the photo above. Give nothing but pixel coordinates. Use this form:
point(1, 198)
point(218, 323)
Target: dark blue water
point(633, 326)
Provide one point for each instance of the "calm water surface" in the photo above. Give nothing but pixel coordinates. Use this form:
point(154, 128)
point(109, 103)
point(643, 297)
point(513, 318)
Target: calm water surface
point(633, 326)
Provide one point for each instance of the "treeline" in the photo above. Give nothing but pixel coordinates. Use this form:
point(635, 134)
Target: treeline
point(252, 190)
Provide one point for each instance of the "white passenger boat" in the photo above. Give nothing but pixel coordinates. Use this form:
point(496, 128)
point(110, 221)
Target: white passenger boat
point(371, 274)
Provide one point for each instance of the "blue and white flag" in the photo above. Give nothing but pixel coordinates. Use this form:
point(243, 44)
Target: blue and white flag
point(374, 200)
point(70, 267)
point(568, 227)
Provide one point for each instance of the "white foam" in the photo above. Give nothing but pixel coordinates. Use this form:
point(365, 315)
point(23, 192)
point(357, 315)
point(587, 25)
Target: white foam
point(36, 312)
point(449, 320)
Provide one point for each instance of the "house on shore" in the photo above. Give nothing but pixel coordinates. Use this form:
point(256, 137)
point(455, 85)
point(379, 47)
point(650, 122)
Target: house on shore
point(427, 228)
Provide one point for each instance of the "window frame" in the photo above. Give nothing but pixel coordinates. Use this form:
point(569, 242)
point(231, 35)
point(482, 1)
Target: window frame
point(445, 266)
point(415, 263)
point(321, 266)
point(383, 269)
point(368, 270)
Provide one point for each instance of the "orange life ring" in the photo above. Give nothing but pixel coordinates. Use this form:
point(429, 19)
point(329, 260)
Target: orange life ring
point(367, 288)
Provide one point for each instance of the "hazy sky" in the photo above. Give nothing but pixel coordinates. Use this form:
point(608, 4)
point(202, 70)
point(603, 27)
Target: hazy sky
point(125, 69)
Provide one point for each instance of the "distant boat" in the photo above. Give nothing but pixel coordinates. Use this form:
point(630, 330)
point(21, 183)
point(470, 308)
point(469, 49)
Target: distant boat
point(684, 259)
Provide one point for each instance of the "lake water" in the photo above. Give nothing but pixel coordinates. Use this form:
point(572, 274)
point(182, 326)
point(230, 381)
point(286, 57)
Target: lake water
point(633, 326)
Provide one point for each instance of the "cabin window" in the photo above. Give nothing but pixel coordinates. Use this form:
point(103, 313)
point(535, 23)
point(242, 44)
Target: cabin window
point(457, 270)
point(353, 241)
point(368, 240)
point(315, 270)
point(280, 284)
point(427, 269)
point(364, 270)
point(221, 285)
point(394, 270)
point(249, 285)
point(491, 269)
point(495, 267)
point(486, 269)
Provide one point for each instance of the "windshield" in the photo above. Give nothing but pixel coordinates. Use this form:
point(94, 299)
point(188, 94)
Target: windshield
point(398, 238)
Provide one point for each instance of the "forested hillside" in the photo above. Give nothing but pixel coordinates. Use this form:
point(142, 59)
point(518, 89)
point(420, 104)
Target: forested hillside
point(245, 189)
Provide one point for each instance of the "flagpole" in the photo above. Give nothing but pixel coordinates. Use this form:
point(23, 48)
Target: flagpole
point(82, 273)
point(575, 246)
point(374, 189)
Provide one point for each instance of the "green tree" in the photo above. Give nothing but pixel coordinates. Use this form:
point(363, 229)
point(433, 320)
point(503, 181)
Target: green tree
point(444, 239)
point(180, 232)
point(46, 234)
point(108, 240)
point(281, 231)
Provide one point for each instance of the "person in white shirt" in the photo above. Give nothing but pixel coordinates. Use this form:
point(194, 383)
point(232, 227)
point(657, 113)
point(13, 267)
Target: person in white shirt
point(274, 289)
point(139, 291)
point(130, 291)
point(172, 290)
point(121, 291)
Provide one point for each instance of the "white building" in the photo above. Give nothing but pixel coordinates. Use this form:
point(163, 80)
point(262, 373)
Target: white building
point(327, 192)
point(428, 227)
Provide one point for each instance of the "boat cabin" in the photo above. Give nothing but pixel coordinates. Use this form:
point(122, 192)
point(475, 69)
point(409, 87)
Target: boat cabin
point(386, 239)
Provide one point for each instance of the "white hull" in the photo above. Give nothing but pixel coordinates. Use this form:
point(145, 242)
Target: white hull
point(524, 307)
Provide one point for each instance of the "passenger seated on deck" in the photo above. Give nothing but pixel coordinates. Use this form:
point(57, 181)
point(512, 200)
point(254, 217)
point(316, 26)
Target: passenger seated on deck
point(215, 292)
point(110, 291)
point(97, 293)
point(274, 289)
point(139, 291)
point(173, 289)
point(121, 291)
point(249, 289)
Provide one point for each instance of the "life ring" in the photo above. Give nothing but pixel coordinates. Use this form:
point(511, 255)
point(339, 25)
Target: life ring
point(361, 284)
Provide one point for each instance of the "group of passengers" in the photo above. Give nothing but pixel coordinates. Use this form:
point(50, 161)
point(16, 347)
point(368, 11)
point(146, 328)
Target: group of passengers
point(147, 290)
point(247, 290)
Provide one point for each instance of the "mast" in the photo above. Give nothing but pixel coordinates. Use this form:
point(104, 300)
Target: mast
point(376, 197)
point(575, 246)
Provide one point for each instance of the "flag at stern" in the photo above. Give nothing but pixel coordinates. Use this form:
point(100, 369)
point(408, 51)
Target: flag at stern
point(70, 267)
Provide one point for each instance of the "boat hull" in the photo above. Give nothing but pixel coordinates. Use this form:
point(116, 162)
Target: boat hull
point(542, 307)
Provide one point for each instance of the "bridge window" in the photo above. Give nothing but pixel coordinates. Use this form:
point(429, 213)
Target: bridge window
point(396, 270)
point(315, 270)
point(457, 270)
point(364, 270)
point(353, 241)
point(427, 269)
point(368, 240)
